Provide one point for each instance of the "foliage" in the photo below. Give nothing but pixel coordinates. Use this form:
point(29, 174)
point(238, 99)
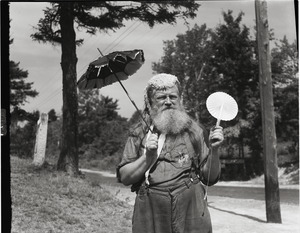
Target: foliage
point(187, 58)
point(22, 139)
point(284, 63)
point(52, 115)
point(221, 59)
point(235, 60)
point(286, 92)
point(23, 133)
point(53, 136)
point(102, 132)
point(19, 88)
point(107, 15)
point(135, 118)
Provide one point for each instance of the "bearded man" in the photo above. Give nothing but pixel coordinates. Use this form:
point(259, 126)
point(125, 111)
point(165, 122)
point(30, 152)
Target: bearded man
point(169, 164)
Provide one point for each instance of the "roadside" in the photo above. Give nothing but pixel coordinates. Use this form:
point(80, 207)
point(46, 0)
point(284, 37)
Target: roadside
point(231, 215)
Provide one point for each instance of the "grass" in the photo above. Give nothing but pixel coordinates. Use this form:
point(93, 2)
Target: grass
point(44, 200)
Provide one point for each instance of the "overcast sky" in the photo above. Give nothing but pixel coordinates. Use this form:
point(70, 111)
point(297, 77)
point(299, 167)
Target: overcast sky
point(43, 60)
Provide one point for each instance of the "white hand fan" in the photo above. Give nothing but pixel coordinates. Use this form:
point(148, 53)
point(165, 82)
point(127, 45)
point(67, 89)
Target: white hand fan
point(221, 106)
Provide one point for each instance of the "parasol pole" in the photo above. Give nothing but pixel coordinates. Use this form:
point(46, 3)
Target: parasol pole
point(141, 115)
point(100, 52)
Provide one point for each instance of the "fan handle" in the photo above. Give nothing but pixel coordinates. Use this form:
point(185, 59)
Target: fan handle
point(220, 114)
point(218, 121)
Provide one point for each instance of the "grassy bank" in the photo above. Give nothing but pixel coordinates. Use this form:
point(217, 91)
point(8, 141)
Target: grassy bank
point(44, 200)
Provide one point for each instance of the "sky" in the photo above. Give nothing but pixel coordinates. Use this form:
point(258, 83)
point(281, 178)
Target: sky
point(42, 61)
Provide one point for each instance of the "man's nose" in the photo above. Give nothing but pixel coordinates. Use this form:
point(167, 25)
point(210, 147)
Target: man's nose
point(168, 101)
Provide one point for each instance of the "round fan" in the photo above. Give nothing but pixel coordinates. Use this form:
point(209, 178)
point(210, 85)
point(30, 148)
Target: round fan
point(222, 106)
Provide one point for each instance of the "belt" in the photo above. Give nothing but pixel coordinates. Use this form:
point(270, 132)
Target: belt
point(178, 188)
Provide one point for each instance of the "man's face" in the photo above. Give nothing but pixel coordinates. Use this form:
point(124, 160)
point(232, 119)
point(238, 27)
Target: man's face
point(166, 99)
point(167, 112)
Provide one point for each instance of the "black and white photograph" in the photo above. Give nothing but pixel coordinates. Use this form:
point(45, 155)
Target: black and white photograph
point(150, 116)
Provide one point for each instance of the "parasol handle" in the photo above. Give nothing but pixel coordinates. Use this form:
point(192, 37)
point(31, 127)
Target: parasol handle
point(141, 115)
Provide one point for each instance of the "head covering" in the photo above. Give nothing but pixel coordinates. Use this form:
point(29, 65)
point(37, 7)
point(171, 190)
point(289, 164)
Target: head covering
point(158, 82)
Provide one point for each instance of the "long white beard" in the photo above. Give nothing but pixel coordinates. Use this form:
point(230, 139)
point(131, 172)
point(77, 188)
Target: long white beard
point(170, 121)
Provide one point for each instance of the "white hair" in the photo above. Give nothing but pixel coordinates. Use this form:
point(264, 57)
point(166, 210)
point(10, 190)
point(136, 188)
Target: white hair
point(158, 82)
point(162, 80)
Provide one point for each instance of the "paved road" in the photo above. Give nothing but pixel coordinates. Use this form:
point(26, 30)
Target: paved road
point(288, 196)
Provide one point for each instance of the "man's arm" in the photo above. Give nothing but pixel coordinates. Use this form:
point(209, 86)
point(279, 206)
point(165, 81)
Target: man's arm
point(133, 172)
point(213, 161)
point(212, 167)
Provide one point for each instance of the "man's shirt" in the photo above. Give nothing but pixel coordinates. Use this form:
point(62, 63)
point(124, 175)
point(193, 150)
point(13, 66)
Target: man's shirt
point(174, 162)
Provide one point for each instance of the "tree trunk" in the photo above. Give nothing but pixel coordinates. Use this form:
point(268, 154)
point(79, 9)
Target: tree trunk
point(68, 158)
point(268, 121)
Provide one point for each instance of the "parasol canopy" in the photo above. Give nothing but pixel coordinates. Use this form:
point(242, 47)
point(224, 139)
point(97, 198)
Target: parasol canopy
point(111, 68)
point(222, 106)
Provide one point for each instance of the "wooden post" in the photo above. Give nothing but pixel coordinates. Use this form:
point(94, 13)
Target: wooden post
point(268, 121)
point(41, 140)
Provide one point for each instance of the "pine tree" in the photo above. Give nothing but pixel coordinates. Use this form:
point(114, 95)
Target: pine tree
point(20, 90)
